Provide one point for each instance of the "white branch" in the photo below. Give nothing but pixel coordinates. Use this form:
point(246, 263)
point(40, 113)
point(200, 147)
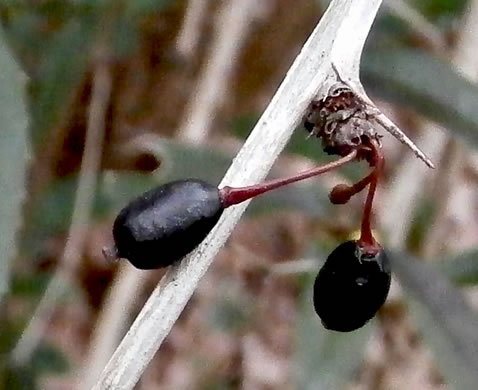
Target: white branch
point(112, 322)
point(78, 230)
point(188, 37)
point(231, 30)
point(338, 38)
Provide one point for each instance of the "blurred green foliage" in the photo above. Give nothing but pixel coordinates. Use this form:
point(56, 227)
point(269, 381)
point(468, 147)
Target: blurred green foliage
point(437, 10)
point(14, 158)
point(425, 212)
point(409, 77)
point(462, 269)
point(53, 41)
point(46, 360)
point(444, 318)
point(232, 311)
point(52, 209)
point(325, 359)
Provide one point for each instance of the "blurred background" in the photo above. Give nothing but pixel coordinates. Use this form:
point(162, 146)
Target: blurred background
point(101, 100)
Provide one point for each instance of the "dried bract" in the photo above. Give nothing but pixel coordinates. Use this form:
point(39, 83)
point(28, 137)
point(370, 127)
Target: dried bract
point(342, 120)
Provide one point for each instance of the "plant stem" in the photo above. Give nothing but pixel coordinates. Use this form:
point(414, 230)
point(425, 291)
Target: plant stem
point(234, 195)
point(366, 236)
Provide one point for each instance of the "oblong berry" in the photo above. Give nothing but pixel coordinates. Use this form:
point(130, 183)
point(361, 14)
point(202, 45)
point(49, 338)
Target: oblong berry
point(351, 286)
point(164, 224)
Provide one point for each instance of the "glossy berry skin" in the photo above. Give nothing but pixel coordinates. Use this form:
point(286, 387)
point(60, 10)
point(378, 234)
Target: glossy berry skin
point(163, 225)
point(351, 286)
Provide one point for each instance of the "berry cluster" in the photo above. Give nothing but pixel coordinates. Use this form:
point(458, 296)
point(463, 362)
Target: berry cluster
point(355, 279)
point(163, 225)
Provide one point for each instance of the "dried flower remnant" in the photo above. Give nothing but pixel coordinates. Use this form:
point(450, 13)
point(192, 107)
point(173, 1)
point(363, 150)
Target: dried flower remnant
point(341, 120)
point(349, 291)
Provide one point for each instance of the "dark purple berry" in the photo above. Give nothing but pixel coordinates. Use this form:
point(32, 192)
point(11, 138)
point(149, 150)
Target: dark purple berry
point(351, 286)
point(163, 225)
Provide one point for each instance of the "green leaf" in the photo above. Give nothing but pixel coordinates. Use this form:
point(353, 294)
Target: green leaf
point(311, 198)
point(232, 310)
point(51, 213)
point(221, 384)
point(181, 161)
point(52, 210)
point(147, 6)
point(426, 84)
point(18, 378)
point(14, 157)
point(462, 269)
point(448, 325)
point(324, 359)
point(59, 75)
point(437, 9)
point(422, 220)
point(49, 359)
point(29, 286)
point(46, 360)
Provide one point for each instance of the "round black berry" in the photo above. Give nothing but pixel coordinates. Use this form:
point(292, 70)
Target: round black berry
point(351, 286)
point(163, 225)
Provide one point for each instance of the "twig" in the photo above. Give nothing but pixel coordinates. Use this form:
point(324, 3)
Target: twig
point(465, 55)
point(15, 159)
point(417, 22)
point(457, 196)
point(110, 326)
point(404, 192)
point(396, 204)
point(299, 266)
point(442, 228)
point(84, 198)
point(338, 38)
point(189, 34)
point(231, 31)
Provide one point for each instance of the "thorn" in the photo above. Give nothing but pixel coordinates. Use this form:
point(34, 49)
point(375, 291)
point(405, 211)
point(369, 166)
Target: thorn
point(388, 125)
point(337, 74)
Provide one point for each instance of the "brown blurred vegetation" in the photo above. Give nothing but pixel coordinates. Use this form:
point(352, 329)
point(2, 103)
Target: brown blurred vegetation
point(239, 330)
